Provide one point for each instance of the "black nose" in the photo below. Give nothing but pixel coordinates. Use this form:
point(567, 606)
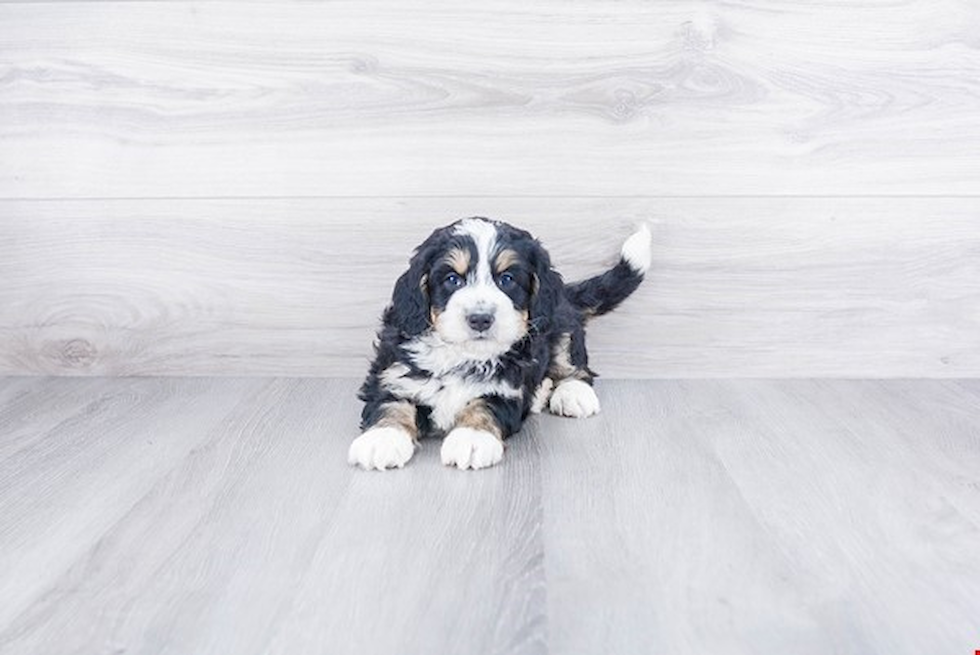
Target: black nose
point(480, 322)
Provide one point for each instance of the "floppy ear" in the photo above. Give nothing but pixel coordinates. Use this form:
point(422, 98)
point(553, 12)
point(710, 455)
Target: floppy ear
point(546, 290)
point(409, 309)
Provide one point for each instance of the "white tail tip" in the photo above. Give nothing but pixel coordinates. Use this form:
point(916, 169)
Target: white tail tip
point(636, 250)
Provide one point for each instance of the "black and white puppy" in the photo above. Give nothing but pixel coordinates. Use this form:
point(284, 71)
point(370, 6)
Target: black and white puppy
point(480, 332)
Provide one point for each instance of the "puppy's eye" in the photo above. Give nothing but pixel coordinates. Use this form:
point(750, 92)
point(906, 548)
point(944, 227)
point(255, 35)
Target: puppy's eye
point(453, 281)
point(506, 281)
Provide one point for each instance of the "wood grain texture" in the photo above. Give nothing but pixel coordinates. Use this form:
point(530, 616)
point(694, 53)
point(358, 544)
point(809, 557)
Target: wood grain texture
point(109, 99)
point(785, 287)
point(737, 516)
point(258, 538)
point(820, 510)
point(89, 470)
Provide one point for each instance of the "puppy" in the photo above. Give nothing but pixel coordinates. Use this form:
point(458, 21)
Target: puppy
point(479, 333)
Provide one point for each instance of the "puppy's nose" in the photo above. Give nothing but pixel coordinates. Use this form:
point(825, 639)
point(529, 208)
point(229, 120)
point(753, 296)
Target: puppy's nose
point(480, 322)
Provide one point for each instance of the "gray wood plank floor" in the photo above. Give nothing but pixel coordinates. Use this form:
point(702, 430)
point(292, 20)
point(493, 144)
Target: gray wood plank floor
point(217, 515)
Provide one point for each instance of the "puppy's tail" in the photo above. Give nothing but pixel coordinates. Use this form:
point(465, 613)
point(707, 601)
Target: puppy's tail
point(603, 293)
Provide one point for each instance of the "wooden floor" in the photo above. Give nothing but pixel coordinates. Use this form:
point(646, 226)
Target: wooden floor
point(216, 515)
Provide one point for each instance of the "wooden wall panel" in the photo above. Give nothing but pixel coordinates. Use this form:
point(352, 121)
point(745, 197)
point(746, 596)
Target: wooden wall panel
point(787, 287)
point(392, 98)
point(231, 188)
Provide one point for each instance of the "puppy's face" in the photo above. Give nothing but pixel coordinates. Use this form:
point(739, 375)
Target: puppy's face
point(480, 284)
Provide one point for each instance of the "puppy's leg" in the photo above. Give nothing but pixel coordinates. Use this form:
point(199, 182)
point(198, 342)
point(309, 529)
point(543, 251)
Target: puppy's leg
point(477, 440)
point(390, 436)
point(573, 394)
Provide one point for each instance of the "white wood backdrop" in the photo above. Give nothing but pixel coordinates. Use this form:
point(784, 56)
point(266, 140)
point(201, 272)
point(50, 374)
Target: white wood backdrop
point(217, 188)
point(496, 97)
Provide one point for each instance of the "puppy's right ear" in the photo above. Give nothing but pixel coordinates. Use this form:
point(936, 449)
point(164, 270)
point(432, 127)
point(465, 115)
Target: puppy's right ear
point(409, 309)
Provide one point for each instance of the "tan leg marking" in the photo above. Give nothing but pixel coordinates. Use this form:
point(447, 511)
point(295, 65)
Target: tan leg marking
point(561, 367)
point(399, 415)
point(478, 416)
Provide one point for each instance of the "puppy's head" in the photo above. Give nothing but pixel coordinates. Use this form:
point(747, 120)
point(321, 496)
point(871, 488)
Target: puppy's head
point(477, 282)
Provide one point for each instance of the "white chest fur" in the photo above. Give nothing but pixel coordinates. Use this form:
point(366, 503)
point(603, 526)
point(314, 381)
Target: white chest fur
point(446, 394)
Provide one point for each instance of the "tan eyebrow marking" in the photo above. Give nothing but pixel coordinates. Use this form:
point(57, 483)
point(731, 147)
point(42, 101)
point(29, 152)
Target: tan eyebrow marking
point(459, 259)
point(506, 259)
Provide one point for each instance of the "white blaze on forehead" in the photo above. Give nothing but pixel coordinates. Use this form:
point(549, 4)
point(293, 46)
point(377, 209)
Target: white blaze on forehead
point(484, 235)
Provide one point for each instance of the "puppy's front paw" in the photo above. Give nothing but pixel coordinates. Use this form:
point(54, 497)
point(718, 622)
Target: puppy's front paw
point(468, 448)
point(381, 448)
point(574, 398)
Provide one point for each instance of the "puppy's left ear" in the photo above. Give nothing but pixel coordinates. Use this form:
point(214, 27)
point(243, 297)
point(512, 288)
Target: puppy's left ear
point(409, 309)
point(546, 289)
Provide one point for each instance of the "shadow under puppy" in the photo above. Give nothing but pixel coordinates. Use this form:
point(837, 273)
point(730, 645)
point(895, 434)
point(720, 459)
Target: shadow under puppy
point(479, 333)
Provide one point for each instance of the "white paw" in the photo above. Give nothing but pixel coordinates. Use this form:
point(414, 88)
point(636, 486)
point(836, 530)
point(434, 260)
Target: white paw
point(468, 448)
point(574, 398)
point(381, 448)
